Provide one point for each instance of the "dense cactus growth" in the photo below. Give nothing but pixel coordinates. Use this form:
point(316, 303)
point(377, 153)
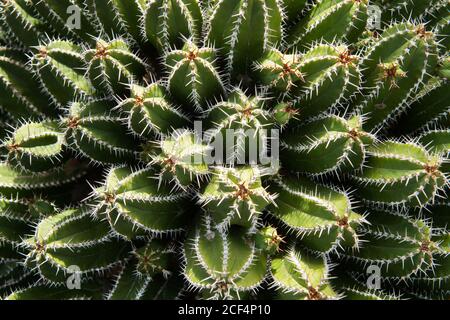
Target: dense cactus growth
point(224, 149)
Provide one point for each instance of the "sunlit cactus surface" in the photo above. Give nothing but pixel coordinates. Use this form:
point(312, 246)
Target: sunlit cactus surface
point(224, 149)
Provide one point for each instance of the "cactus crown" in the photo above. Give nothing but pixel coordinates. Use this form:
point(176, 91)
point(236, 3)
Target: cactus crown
point(227, 149)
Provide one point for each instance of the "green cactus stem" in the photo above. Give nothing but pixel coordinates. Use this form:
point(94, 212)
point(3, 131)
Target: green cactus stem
point(60, 67)
point(223, 265)
point(36, 146)
point(322, 218)
point(325, 144)
point(244, 29)
point(399, 174)
point(330, 20)
point(137, 204)
point(87, 127)
point(236, 196)
point(150, 112)
point(113, 67)
point(167, 22)
point(395, 68)
point(193, 79)
point(299, 275)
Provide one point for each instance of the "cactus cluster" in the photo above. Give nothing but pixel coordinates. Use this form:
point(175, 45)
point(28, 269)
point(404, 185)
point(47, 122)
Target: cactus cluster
point(224, 149)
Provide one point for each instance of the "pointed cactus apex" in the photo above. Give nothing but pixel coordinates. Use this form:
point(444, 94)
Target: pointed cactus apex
point(137, 204)
point(395, 68)
point(149, 270)
point(99, 134)
point(439, 213)
point(330, 20)
point(327, 144)
point(235, 196)
point(321, 217)
point(193, 76)
point(150, 112)
point(239, 129)
point(60, 65)
point(112, 67)
point(284, 112)
point(398, 174)
point(268, 240)
point(168, 22)
point(438, 142)
point(70, 238)
point(182, 158)
point(300, 275)
point(398, 245)
point(223, 265)
point(155, 258)
point(332, 77)
point(279, 71)
point(36, 146)
point(243, 30)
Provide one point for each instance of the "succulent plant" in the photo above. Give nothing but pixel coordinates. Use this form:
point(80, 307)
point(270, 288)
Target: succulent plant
point(224, 149)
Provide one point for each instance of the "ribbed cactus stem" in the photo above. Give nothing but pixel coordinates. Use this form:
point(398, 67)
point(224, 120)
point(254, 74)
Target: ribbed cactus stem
point(399, 174)
point(321, 217)
point(113, 67)
point(223, 265)
point(60, 67)
point(235, 196)
point(325, 145)
point(244, 29)
point(395, 68)
point(193, 79)
point(150, 112)
point(167, 22)
point(330, 20)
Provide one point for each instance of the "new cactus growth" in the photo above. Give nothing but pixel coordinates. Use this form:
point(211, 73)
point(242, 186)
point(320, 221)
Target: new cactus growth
point(226, 149)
